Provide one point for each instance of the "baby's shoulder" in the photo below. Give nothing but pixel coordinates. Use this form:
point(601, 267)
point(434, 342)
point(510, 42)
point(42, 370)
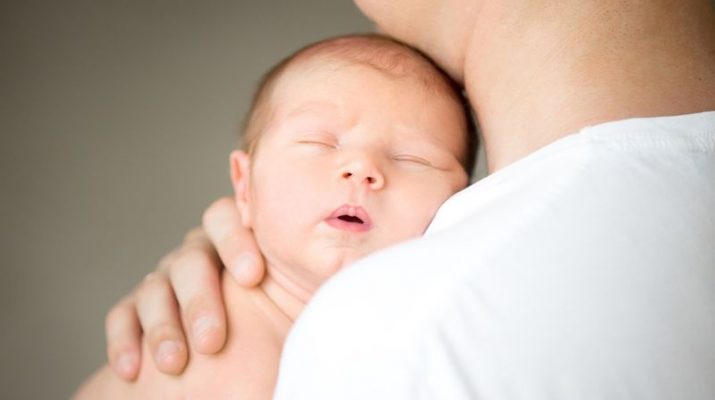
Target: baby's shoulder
point(247, 366)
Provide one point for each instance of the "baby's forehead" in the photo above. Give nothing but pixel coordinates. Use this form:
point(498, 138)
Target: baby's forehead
point(386, 56)
point(335, 87)
point(330, 73)
point(317, 74)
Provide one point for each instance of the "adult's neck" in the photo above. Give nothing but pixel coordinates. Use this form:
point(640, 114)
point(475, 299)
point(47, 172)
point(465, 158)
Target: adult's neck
point(539, 70)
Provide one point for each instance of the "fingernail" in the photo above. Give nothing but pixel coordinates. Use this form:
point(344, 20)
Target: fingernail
point(127, 362)
point(243, 266)
point(203, 325)
point(167, 350)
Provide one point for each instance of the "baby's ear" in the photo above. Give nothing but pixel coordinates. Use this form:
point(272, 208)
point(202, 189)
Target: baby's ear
point(240, 178)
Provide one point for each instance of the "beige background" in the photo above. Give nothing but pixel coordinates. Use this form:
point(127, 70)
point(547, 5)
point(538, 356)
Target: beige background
point(116, 120)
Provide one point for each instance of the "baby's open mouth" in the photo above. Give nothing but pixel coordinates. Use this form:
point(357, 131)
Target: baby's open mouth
point(350, 218)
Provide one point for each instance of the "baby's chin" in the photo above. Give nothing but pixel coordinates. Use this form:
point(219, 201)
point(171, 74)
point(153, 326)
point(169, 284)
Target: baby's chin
point(333, 260)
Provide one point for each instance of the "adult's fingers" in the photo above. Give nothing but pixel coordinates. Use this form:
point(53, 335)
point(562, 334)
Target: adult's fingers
point(124, 332)
point(235, 244)
point(157, 310)
point(195, 276)
point(124, 339)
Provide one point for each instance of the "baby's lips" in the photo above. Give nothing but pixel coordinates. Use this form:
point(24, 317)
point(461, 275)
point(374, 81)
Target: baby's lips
point(349, 217)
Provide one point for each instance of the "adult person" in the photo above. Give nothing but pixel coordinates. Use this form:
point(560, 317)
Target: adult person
point(582, 266)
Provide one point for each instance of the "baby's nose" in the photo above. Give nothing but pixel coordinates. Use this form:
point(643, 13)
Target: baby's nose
point(363, 172)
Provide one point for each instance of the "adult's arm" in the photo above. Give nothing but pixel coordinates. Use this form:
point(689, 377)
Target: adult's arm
point(183, 297)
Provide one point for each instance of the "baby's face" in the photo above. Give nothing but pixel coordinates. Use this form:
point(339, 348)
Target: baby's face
point(352, 160)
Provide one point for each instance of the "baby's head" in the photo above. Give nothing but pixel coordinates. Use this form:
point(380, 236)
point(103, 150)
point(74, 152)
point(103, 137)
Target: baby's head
point(351, 145)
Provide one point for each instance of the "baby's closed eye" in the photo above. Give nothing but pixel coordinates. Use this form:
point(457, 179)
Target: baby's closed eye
point(412, 159)
point(320, 140)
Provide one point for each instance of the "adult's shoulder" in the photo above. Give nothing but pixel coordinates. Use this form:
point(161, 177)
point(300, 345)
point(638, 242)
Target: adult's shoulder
point(367, 320)
point(586, 268)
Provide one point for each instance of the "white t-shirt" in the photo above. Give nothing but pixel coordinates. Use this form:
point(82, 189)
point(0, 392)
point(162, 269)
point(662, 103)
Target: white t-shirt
point(583, 271)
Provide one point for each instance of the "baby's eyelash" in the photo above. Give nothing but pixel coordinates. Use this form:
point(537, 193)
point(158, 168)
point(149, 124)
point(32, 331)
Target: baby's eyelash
point(318, 139)
point(324, 143)
point(412, 159)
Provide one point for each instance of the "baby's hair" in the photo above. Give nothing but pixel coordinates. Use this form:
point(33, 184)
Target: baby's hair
point(377, 51)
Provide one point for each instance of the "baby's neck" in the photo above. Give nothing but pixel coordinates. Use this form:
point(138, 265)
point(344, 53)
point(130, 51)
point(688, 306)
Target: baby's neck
point(288, 296)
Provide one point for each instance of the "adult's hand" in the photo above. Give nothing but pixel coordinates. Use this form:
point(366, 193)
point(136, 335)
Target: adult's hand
point(183, 296)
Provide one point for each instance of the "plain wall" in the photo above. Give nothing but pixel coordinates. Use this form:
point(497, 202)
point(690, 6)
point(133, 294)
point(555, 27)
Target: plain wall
point(116, 121)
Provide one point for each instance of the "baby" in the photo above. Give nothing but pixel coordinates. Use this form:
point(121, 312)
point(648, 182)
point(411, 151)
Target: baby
point(351, 145)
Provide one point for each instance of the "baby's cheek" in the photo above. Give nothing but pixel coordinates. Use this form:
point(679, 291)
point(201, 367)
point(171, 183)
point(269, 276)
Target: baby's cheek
point(416, 219)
